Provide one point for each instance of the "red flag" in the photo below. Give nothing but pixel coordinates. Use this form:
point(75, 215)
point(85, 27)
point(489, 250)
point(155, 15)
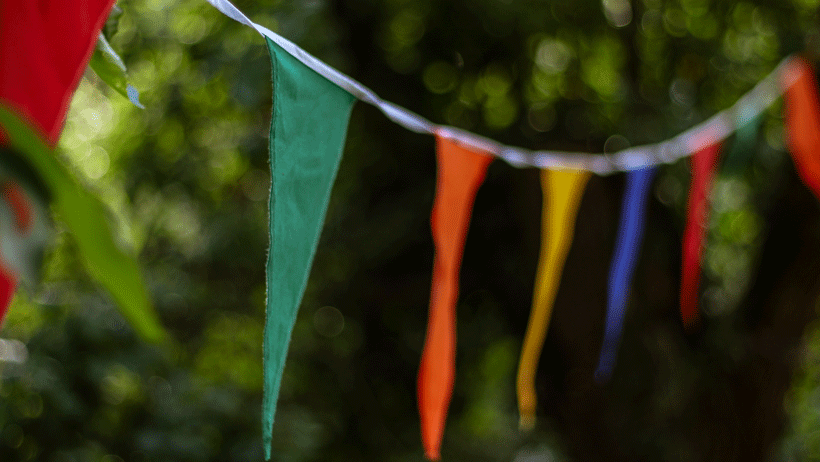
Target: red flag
point(460, 173)
point(44, 49)
point(704, 163)
point(802, 113)
point(45, 46)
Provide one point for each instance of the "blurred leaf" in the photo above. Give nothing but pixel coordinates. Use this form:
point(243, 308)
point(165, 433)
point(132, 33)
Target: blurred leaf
point(112, 24)
point(110, 68)
point(84, 215)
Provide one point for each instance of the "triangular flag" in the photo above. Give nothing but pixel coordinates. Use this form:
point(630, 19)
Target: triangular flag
point(627, 247)
point(562, 191)
point(704, 163)
point(44, 49)
point(802, 113)
point(460, 172)
point(307, 135)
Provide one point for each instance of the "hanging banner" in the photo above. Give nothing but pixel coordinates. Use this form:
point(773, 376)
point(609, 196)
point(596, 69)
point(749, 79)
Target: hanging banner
point(801, 108)
point(720, 125)
point(460, 173)
point(307, 135)
point(627, 248)
point(704, 163)
point(562, 190)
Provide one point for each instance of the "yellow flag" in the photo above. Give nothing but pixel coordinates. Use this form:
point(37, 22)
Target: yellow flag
point(562, 192)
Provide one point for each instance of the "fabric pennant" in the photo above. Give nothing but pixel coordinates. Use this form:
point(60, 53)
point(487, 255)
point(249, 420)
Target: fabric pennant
point(460, 173)
point(801, 107)
point(703, 163)
point(307, 135)
point(562, 190)
point(58, 37)
point(627, 247)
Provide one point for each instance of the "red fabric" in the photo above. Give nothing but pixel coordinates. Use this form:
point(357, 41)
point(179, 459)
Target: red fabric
point(703, 164)
point(460, 173)
point(8, 283)
point(802, 116)
point(45, 46)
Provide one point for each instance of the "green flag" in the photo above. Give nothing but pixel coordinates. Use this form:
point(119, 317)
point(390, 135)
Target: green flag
point(743, 149)
point(307, 134)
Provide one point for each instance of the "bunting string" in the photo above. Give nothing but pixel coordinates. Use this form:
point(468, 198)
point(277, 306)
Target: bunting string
point(715, 129)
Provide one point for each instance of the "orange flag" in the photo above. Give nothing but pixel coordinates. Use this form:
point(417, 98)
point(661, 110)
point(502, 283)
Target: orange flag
point(460, 173)
point(802, 113)
point(562, 191)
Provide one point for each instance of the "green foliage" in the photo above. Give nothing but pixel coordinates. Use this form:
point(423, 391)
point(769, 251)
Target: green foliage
point(85, 217)
point(109, 67)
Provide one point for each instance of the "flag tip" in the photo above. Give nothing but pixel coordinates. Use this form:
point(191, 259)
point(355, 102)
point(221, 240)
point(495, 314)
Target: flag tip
point(603, 373)
point(432, 454)
point(691, 324)
point(266, 442)
point(526, 422)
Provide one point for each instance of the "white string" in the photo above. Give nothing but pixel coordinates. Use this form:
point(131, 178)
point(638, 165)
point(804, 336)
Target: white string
point(717, 128)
